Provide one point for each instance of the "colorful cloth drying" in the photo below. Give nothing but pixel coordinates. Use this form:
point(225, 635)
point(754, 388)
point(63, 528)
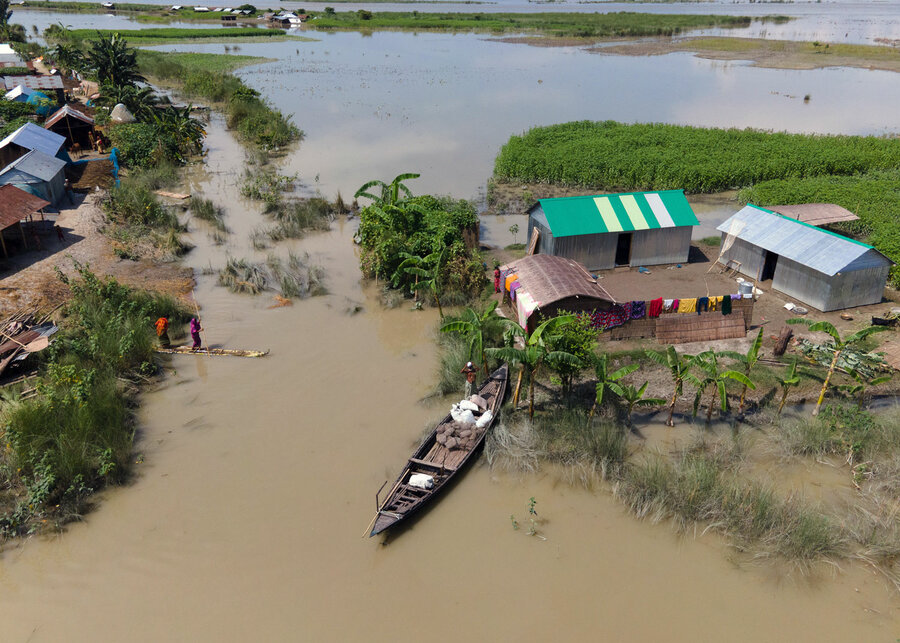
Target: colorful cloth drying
point(668, 303)
point(687, 305)
point(715, 303)
point(638, 309)
point(726, 306)
point(617, 316)
point(702, 305)
point(514, 286)
point(509, 279)
point(656, 306)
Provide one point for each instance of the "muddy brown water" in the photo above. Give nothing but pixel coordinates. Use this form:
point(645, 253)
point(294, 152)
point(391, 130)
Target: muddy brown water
point(244, 519)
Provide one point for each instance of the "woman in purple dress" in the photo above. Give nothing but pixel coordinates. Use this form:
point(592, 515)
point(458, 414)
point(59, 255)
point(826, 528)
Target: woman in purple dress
point(195, 333)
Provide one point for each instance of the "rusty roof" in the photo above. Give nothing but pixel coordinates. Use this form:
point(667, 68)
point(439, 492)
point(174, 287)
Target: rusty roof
point(34, 82)
point(16, 204)
point(814, 213)
point(550, 279)
point(64, 111)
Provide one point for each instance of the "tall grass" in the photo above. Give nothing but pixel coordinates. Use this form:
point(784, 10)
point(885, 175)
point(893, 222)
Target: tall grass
point(206, 210)
point(76, 434)
point(611, 155)
point(294, 219)
point(298, 277)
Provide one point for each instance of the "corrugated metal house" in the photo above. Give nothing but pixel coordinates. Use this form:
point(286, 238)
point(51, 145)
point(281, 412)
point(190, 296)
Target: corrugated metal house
point(73, 125)
point(38, 174)
point(608, 230)
point(31, 137)
point(817, 267)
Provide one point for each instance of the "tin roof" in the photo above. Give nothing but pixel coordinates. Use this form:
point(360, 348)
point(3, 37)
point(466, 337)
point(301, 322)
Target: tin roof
point(64, 111)
point(824, 251)
point(34, 82)
point(549, 278)
point(37, 164)
point(16, 204)
point(815, 213)
point(576, 215)
point(35, 137)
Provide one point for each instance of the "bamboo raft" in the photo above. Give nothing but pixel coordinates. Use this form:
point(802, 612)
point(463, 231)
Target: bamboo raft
point(232, 352)
point(437, 461)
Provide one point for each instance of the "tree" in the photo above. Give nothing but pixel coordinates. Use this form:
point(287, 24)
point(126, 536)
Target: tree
point(427, 272)
point(679, 366)
point(113, 61)
point(140, 101)
point(535, 352)
point(749, 361)
point(791, 379)
point(183, 133)
point(578, 339)
point(838, 345)
point(635, 397)
point(476, 327)
point(708, 364)
point(390, 192)
point(68, 58)
point(861, 384)
point(514, 230)
point(608, 382)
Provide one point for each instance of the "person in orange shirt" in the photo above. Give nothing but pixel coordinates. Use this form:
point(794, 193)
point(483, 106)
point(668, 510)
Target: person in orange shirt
point(162, 331)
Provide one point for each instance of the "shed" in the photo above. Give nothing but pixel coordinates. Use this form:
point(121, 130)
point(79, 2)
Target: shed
point(556, 284)
point(820, 268)
point(19, 93)
point(31, 137)
point(73, 125)
point(815, 213)
point(16, 205)
point(50, 85)
point(37, 173)
point(608, 230)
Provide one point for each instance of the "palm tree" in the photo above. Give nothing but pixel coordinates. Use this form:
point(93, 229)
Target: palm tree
point(609, 382)
point(390, 192)
point(838, 345)
point(535, 352)
point(679, 366)
point(179, 127)
point(113, 61)
point(712, 377)
point(792, 378)
point(635, 397)
point(749, 361)
point(140, 101)
point(68, 58)
point(475, 326)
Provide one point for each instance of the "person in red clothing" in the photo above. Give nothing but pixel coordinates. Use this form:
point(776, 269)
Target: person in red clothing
point(162, 331)
point(496, 278)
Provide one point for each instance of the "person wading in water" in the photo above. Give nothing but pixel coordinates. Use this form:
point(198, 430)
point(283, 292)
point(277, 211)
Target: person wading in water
point(470, 371)
point(162, 331)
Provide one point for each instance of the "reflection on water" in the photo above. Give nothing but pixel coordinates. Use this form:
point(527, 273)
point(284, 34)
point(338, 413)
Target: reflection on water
point(443, 104)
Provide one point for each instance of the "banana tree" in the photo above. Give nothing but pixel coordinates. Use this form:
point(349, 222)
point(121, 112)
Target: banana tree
point(748, 361)
point(427, 271)
point(609, 382)
point(715, 379)
point(635, 397)
point(534, 352)
point(838, 345)
point(474, 326)
point(861, 385)
point(679, 366)
point(791, 379)
point(390, 192)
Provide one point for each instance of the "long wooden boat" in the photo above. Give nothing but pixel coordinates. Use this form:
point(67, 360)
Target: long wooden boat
point(233, 352)
point(435, 459)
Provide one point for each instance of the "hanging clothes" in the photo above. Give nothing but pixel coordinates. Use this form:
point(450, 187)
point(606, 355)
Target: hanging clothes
point(687, 305)
point(667, 304)
point(638, 309)
point(656, 306)
point(514, 286)
point(726, 306)
point(702, 305)
point(675, 304)
point(509, 279)
point(617, 316)
point(714, 303)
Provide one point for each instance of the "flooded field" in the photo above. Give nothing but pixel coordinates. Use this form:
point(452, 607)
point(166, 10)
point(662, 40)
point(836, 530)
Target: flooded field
point(258, 477)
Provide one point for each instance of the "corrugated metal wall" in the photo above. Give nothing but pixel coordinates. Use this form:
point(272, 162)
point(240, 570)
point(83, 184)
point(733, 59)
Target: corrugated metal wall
point(750, 257)
point(537, 220)
point(659, 246)
point(594, 251)
point(861, 283)
point(802, 283)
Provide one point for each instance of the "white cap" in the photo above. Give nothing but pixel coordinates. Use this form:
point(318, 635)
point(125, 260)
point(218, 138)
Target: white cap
point(468, 363)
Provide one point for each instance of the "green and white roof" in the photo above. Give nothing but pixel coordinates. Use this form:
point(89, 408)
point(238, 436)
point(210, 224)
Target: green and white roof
point(577, 215)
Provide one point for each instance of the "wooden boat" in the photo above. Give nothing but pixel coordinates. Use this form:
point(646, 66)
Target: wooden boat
point(436, 460)
point(233, 352)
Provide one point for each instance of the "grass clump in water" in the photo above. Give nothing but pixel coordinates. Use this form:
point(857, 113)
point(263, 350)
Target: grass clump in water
point(296, 278)
point(294, 219)
point(208, 211)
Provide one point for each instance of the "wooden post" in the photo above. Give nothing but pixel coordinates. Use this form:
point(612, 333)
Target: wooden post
point(3, 243)
point(22, 230)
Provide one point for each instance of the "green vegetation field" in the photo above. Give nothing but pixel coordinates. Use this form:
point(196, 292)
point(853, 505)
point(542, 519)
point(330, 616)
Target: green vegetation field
point(164, 35)
point(597, 25)
point(218, 63)
point(860, 173)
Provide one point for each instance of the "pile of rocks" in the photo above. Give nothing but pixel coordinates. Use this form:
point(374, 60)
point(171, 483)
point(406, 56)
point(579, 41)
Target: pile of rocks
point(458, 435)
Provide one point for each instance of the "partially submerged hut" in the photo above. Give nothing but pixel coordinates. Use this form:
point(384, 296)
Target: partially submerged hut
point(73, 125)
point(608, 230)
point(37, 173)
point(15, 206)
point(31, 137)
point(817, 267)
point(549, 285)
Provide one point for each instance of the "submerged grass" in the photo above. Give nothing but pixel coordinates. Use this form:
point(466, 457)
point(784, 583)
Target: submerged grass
point(170, 35)
point(208, 211)
point(298, 277)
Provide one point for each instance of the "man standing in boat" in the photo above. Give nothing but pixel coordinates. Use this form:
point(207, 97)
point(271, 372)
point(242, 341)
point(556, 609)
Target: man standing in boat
point(470, 371)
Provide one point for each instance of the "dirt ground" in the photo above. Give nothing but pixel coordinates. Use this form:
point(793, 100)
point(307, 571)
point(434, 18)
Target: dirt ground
point(28, 278)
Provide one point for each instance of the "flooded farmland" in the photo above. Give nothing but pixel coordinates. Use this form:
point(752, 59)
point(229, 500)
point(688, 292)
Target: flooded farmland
point(243, 520)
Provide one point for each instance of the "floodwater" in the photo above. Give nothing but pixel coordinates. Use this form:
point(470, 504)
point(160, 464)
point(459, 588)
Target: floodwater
point(374, 106)
point(258, 477)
